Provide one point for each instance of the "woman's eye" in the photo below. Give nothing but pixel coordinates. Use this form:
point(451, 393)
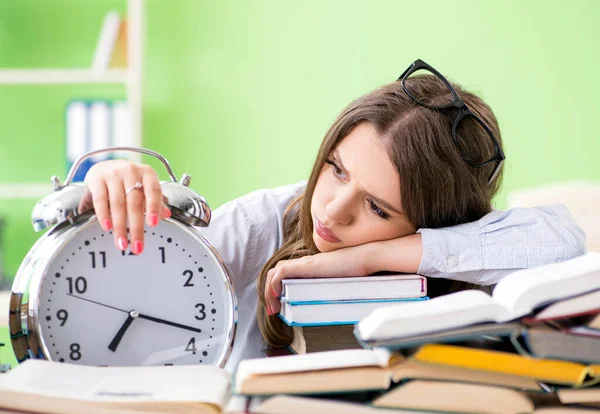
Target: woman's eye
point(336, 169)
point(375, 208)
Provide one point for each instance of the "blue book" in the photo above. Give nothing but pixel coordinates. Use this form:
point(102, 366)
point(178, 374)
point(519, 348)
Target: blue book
point(334, 312)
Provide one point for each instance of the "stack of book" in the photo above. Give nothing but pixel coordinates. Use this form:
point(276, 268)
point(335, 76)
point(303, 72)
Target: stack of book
point(463, 353)
point(323, 311)
point(531, 347)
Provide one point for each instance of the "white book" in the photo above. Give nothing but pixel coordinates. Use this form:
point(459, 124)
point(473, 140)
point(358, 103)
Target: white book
point(515, 296)
point(99, 116)
point(355, 288)
point(343, 312)
point(77, 127)
point(106, 42)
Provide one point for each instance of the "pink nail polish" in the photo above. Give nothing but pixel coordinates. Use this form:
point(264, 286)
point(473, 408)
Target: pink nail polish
point(152, 220)
point(168, 212)
point(122, 242)
point(138, 247)
point(269, 310)
point(274, 294)
point(107, 224)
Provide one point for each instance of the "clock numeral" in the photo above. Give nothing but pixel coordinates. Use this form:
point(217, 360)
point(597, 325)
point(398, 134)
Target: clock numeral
point(80, 285)
point(62, 315)
point(191, 346)
point(200, 311)
point(162, 254)
point(102, 255)
point(190, 275)
point(75, 354)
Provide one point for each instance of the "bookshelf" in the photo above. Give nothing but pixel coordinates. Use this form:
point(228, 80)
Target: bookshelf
point(61, 76)
point(131, 78)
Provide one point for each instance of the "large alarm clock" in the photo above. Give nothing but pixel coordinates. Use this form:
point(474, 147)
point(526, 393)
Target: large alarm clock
point(76, 298)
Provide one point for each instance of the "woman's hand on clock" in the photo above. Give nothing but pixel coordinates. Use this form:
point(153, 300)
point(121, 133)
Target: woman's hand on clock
point(106, 185)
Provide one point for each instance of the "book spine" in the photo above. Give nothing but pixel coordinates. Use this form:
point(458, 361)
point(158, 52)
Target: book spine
point(347, 302)
point(106, 42)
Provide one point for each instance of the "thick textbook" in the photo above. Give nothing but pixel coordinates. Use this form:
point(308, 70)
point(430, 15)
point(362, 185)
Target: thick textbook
point(581, 305)
point(289, 404)
point(552, 344)
point(309, 339)
point(461, 334)
point(517, 295)
point(451, 397)
point(546, 370)
point(354, 370)
point(341, 312)
point(50, 387)
point(319, 372)
point(355, 288)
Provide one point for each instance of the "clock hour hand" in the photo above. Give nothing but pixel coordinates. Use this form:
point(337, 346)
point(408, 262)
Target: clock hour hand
point(175, 324)
point(117, 339)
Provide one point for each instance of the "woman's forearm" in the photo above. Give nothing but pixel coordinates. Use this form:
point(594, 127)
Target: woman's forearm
point(403, 254)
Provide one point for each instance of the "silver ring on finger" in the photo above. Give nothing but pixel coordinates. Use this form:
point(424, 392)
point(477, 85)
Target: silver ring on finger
point(137, 186)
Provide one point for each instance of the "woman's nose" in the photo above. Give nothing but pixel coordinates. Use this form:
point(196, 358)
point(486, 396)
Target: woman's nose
point(339, 209)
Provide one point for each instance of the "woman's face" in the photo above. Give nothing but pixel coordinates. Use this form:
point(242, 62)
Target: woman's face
point(357, 195)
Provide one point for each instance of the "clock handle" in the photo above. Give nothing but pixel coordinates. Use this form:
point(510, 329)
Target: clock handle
point(79, 160)
point(63, 203)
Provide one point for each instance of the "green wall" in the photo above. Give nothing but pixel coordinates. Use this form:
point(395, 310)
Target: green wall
point(240, 93)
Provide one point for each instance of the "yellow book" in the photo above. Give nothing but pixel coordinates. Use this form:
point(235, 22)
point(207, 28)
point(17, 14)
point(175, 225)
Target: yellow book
point(545, 370)
point(118, 58)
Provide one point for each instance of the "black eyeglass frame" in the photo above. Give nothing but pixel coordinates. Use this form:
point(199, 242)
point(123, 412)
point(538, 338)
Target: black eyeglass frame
point(463, 112)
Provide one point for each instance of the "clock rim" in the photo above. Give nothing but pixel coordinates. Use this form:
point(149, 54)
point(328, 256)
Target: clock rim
point(24, 324)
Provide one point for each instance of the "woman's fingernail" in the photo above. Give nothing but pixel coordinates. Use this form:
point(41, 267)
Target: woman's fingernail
point(122, 242)
point(107, 224)
point(269, 310)
point(152, 219)
point(138, 247)
point(168, 213)
point(274, 294)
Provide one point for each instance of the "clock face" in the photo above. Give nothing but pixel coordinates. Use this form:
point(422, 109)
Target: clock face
point(171, 305)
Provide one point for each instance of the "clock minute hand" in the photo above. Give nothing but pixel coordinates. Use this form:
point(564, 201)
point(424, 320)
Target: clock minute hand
point(175, 324)
point(141, 316)
point(97, 303)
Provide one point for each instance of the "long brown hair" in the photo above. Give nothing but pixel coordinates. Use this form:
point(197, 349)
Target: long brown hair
point(437, 187)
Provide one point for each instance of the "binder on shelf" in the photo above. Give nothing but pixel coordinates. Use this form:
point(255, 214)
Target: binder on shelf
point(93, 125)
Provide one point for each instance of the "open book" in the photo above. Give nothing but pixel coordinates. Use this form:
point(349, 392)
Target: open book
point(515, 296)
point(42, 386)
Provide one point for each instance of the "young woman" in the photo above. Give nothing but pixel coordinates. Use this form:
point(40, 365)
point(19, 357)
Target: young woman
point(403, 182)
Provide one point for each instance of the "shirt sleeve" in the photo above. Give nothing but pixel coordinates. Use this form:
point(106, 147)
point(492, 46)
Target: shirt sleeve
point(484, 251)
point(247, 231)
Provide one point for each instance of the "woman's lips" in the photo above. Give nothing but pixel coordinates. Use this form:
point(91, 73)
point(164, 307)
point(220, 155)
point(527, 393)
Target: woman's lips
point(324, 232)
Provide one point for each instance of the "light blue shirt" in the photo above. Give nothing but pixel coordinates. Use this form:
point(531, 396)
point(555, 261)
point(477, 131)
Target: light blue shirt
point(247, 231)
